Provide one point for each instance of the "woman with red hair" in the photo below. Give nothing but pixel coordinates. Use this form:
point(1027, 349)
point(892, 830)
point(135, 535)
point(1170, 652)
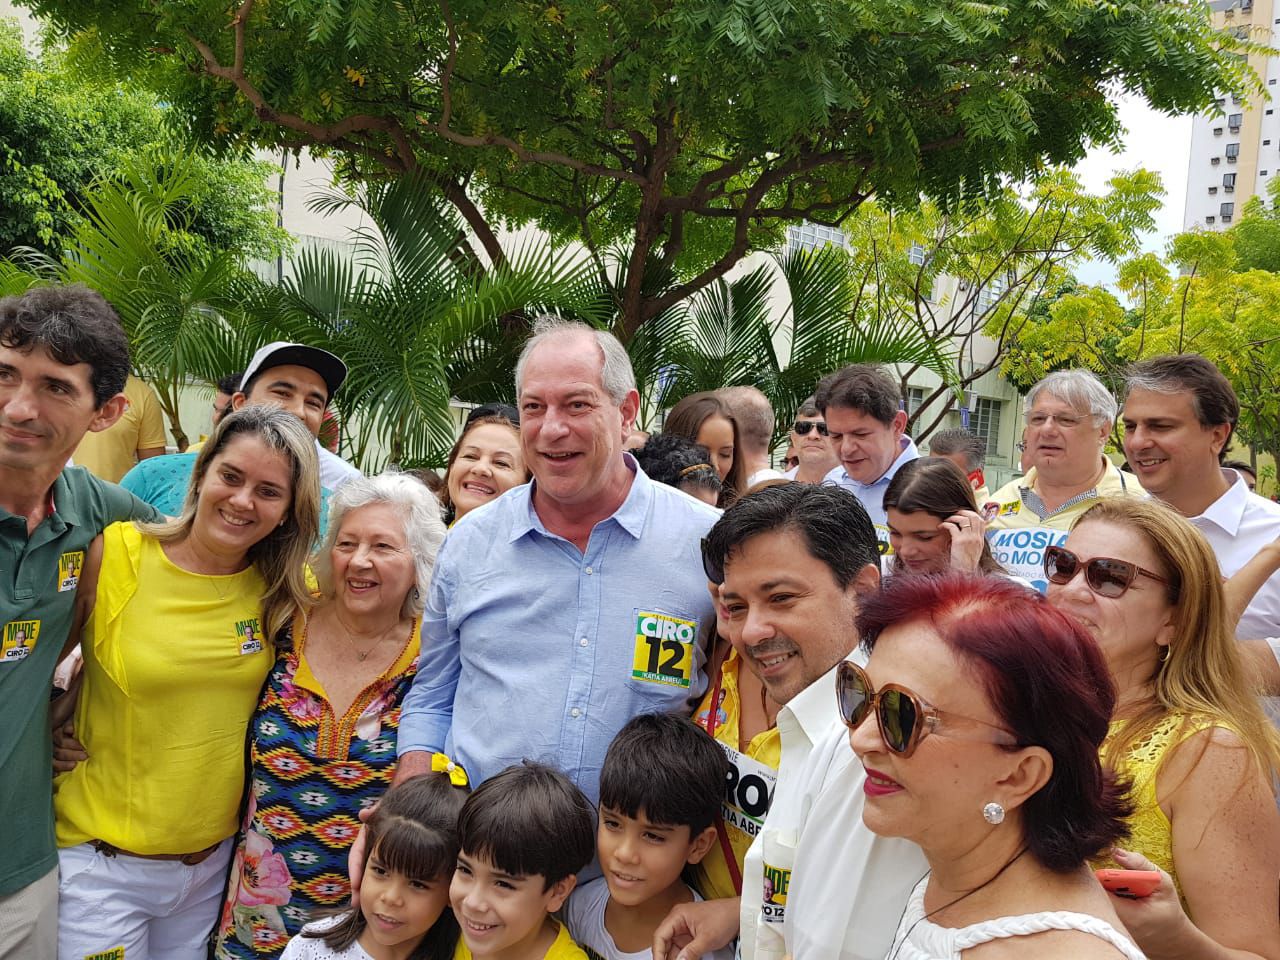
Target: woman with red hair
point(978, 720)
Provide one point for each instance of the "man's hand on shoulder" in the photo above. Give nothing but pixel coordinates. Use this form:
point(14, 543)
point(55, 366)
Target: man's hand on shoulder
point(692, 930)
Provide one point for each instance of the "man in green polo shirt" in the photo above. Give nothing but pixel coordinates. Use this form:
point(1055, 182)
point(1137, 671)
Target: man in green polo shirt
point(64, 359)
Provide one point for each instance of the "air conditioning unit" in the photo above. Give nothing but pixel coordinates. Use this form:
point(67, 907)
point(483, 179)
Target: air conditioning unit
point(1234, 129)
point(1228, 189)
point(1217, 131)
point(1215, 161)
point(1231, 159)
point(1212, 191)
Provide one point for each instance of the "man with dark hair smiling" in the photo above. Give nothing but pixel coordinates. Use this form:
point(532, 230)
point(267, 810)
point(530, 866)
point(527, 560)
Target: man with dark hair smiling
point(792, 562)
point(64, 358)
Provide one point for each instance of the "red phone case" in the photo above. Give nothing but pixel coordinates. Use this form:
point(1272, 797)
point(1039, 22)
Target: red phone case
point(1129, 883)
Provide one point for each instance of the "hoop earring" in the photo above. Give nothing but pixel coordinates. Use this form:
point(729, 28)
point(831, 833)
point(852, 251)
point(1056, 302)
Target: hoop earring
point(993, 813)
point(1164, 657)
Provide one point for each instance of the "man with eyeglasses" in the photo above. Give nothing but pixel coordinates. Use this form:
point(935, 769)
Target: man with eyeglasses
point(812, 444)
point(862, 406)
point(1179, 416)
point(792, 562)
point(1069, 416)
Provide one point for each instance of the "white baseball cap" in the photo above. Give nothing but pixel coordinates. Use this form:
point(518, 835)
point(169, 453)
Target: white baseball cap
point(281, 353)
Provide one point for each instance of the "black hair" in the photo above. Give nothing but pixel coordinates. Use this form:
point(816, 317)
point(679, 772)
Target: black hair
point(76, 325)
point(666, 767)
point(1212, 397)
point(678, 462)
point(230, 383)
point(414, 832)
point(833, 524)
point(1241, 466)
point(529, 820)
point(865, 387)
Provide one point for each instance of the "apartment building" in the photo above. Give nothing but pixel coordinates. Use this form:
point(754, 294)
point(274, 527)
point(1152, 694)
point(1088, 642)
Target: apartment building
point(1235, 148)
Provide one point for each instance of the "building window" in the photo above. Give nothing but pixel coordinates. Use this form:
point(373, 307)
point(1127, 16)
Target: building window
point(1266, 143)
point(984, 422)
point(915, 400)
point(1234, 121)
point(916, 254)
point(814, 236)
point(1226, 211)
point(1233, 151)
point(1229, 182)
point(1210, 219)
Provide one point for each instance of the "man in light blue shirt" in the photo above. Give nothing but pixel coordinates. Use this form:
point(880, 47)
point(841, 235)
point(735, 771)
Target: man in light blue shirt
point(862, 406)
point(571, 604)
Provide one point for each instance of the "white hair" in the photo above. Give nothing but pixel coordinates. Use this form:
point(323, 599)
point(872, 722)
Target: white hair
point(423, 528)
point(1081, 390)
point(616, 375)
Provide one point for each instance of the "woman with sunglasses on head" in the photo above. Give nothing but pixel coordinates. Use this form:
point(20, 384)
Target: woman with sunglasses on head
point(934, 524)
point(813, 446)
point(485, 462)
point(988, 762)
point(1187, 731)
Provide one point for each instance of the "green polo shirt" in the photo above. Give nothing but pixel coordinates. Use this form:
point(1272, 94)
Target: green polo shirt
point(38, 576)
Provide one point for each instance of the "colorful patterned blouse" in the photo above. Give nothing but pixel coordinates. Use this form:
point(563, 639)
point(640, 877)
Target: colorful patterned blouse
point(312, 774)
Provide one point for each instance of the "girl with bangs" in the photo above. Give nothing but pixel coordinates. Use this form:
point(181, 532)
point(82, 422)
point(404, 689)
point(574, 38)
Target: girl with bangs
point(404, 909)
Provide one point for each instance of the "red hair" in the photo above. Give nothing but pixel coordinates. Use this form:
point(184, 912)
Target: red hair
point(1046, 680)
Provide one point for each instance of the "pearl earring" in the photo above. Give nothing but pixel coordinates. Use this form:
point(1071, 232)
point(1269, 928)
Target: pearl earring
point(993, 813)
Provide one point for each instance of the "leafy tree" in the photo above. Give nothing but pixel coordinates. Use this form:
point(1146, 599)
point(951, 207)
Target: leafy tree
point(61, 129)
point(1257, 233)
point(689, 130)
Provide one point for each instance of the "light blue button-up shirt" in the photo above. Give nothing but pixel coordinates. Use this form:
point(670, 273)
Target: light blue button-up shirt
point(871, 495)
point(533, 649)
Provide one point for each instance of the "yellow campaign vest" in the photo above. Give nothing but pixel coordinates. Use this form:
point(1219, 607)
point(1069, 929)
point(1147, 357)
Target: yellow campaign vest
point(748, 791)
point(172, 674)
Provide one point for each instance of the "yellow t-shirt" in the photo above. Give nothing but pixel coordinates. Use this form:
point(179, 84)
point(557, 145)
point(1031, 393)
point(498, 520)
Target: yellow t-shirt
point(562, 949)
point(752, 777)
point(1008, 507)
point(111, 453)
point(172, 674)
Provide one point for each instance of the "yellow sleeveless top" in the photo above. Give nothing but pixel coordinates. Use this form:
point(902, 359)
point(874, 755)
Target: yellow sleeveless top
point(173, 663)
point(1150, 832)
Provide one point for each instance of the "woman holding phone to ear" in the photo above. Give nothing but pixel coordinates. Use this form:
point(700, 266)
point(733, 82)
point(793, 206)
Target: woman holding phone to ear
point(1188, 732)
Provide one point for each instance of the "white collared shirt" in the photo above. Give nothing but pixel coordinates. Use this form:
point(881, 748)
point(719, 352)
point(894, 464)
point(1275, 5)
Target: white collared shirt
point(865, 863)
point(1237, 525)
point(334, 471)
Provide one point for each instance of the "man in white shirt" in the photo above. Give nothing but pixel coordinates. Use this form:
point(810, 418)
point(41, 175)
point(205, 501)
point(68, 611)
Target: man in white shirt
point(1179, 414)
point(862, 406)
point(756, 420)
point(792, 562)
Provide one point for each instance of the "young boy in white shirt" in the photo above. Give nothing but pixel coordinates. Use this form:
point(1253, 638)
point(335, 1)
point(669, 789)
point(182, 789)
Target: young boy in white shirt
point(660, 792)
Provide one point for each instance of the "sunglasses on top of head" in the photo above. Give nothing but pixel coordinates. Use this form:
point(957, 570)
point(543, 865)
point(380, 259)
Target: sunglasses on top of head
point(802, 428)
point(1105, 576)
point(903, 717)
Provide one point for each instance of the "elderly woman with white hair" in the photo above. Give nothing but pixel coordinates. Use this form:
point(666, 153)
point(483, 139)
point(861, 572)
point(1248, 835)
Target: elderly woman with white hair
point(322, 743)
point(1069, 416)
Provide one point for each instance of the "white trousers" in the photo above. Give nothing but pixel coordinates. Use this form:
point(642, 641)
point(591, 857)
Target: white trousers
point(29, 921)
point(128, 908)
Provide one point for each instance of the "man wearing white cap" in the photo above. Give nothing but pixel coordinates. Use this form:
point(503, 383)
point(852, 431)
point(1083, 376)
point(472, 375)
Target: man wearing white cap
point(299, 378)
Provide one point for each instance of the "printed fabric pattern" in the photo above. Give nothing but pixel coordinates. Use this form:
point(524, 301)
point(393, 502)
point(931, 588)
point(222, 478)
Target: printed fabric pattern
point(312, 774)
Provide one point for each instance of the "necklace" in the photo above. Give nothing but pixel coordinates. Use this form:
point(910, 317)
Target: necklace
point(996, 876)
point(361, 655)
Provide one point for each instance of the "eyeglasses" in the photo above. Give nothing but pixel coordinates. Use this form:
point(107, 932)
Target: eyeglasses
point(710, 566)
point(802, 428)
point(1065, 422)
point(903, 718)
point(1105, 576)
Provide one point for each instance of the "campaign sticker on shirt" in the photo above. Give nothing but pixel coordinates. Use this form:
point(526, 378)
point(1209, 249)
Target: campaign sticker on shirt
point(69, 566)
point(17, 640)
point(882, 540)
point(115, 953)
point(773, 904)
point(1020, 550)
point(748, 791)
point(247, 632)
point(664, 649)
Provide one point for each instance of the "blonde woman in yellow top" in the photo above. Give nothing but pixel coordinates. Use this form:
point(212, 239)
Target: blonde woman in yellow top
point(178, 621)
point(1188, 732)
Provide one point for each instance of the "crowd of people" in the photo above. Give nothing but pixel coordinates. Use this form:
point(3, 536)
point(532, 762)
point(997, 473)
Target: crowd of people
point(593, 692)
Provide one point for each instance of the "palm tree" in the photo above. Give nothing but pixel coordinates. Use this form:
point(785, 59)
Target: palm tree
point(415, 324)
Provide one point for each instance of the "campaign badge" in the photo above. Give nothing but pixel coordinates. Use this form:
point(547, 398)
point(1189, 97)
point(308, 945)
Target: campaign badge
point(664, 649)
point(18, 639)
